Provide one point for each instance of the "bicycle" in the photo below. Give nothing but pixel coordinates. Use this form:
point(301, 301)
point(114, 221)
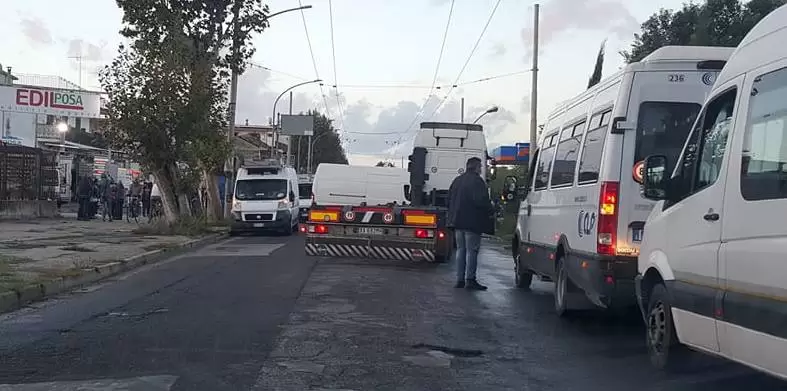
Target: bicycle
point(133, 209)
point(155, 210)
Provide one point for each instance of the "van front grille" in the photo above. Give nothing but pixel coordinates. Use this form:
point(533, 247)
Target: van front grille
point(258, 216)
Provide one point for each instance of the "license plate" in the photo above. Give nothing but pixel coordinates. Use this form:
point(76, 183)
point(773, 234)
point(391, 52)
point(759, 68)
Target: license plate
point(370, 231)
point(636, 234)
point(259, 225)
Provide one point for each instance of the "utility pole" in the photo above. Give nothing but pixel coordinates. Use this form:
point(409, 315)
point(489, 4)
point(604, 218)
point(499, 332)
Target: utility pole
point(229, 167)
point(79, 61)
point(462, 110)
point(534, 90)
point(289, 138)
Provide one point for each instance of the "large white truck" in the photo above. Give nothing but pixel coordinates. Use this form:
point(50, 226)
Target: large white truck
point(400, 217)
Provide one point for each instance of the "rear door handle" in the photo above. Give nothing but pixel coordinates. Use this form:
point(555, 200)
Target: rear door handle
point(711, 217)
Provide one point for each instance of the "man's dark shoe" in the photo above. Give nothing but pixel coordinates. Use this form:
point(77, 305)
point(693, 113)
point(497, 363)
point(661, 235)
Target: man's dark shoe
point(460, 284)
point(474, 285)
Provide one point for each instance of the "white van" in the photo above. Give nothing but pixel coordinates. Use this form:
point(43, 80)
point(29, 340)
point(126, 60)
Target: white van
point(713, 274)
point(266, 198)
point(582, 220)
point(341, 184)
point(305, 184)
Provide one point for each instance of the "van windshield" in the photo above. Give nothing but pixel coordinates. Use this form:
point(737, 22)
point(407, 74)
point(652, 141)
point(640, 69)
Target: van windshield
point(305, 191)
point(662, 129)
point(260, 189)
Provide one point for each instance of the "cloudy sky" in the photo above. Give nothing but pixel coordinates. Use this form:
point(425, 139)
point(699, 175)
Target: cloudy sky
point(386, 56)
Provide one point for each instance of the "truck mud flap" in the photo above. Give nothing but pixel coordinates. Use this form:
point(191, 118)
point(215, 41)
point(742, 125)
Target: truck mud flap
point(376, 252)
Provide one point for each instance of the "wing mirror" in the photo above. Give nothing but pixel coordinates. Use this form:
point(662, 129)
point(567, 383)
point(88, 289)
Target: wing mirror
point(655, 178)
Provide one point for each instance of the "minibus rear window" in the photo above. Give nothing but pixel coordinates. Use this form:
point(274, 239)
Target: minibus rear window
point(662, 129)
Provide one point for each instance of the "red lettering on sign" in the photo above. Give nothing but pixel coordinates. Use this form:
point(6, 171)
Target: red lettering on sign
point(41, 98)
point(21, 97)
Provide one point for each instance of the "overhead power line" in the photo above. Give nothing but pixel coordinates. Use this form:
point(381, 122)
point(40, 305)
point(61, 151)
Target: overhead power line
point(394, 84)
point(333, 55)
point(419, 113)
point(467, 61)
point(314, 62)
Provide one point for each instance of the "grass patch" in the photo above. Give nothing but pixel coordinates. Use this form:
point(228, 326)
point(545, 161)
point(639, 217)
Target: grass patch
point(159, 246)
point(22, 245)
point(77, 249)
point(83, 263)
point(10, 259)
point(187, 226)
point(505, 229)
point(8, 279)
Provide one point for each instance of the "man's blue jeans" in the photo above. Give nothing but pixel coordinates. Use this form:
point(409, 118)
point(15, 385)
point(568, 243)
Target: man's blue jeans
point(467, 245)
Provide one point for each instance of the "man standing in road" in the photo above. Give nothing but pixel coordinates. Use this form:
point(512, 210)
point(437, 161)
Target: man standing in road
point(470, 214)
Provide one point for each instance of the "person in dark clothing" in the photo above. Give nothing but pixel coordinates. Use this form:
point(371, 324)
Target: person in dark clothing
point(84, 191)
point(470, 214)
point(146, 189)
point(120, 200)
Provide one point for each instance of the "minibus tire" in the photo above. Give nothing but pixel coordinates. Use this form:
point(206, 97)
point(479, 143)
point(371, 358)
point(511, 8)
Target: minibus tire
point(563, 289)
point(522, 280)
point(664, 349)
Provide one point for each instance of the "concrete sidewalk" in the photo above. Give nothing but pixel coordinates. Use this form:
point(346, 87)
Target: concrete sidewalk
point(36, 251)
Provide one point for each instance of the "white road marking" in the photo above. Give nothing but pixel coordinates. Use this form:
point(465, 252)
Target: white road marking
point(142, 383)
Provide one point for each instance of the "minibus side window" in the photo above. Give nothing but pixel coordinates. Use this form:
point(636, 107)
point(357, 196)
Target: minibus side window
point(764, 157)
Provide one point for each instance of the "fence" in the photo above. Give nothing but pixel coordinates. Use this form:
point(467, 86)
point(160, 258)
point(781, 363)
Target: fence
point(27, 174)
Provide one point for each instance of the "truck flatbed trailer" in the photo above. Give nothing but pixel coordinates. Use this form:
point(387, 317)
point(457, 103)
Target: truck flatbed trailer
point(379, 232)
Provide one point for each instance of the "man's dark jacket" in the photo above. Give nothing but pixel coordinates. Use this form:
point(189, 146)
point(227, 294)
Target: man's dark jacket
point(469, 206)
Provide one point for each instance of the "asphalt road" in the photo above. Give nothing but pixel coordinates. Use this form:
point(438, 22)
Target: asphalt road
point(255, 313)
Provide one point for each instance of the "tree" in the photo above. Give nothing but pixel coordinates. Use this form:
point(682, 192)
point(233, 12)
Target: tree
point(327, 145)
point(168, 88)
point(384, 164)
point(599, 67)
point(711, 23)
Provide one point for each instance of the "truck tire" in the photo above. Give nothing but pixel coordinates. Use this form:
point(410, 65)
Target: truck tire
point(664, 349)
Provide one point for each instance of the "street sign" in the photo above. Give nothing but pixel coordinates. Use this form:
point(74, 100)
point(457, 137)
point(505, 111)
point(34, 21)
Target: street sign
point(297, 125)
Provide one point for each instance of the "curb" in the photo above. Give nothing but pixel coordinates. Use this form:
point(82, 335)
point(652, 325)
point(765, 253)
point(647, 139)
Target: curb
point(18, 298)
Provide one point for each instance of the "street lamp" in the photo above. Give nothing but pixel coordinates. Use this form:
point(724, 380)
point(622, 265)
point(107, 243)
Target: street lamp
point(276, 102)
point(305, 7)
point(492, 109)
point(62, 127)
point(229, 164)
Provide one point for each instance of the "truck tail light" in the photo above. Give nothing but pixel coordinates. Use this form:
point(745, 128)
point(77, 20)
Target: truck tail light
point(315, 229)
point(608, 218)
point(424, 233)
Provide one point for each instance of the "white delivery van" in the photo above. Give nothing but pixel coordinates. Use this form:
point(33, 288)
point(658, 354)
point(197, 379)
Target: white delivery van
point(305, 183)
point(713, 274)
point(341, 184)
point(266, 198)
point(583, 217)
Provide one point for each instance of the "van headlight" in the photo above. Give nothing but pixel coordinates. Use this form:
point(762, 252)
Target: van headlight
point(284, 205)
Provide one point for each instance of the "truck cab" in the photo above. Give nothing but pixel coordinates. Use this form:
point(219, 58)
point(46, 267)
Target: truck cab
point(440, 152)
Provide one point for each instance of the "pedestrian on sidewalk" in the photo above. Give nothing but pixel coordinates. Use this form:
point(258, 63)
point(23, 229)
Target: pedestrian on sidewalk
point(84, 191)
point(470, 214)
point(146, 189)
